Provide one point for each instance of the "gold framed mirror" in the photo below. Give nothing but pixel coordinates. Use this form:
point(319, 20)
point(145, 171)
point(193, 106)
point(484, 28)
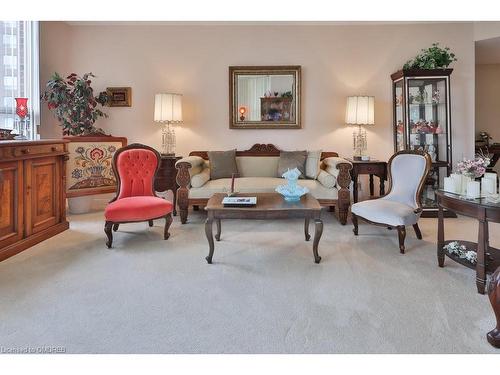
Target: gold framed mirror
point(264, 97)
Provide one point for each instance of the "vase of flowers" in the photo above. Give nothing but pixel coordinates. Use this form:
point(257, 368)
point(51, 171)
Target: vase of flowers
point(470, 170)
point(73, 102)
point(473, 168)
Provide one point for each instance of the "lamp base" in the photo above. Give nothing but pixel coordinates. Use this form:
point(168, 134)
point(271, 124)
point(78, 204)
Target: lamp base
point(168, 140)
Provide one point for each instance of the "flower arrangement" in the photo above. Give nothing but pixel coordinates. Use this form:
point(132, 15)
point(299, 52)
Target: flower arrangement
point(461, 251)
point(74, 104)
point(473, 168)
point(434, 57)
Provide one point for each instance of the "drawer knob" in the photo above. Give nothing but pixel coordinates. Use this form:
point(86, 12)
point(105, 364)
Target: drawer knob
point(25, 151)
point(53, 148)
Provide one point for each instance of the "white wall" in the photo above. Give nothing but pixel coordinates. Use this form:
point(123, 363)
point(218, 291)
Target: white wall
point(336, 60)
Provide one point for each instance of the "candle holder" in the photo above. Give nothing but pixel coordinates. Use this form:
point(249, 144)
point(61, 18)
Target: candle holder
point(232, 192)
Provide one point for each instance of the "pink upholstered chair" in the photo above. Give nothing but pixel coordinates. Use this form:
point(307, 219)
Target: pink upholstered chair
point(135, 167)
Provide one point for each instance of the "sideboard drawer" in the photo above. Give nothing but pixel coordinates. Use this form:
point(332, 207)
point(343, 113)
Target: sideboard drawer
point(30, 150)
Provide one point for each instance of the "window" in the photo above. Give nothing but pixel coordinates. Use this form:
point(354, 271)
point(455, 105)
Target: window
point(19, 75)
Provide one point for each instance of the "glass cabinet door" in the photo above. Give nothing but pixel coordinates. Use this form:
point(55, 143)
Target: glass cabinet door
point(428, 128)
point(399, 128)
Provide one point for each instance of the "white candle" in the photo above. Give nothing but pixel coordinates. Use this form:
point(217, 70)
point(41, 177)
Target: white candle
point(488, 186)
point(449, 184)
point(493, 177)
point(473, 189)
point(457, 178)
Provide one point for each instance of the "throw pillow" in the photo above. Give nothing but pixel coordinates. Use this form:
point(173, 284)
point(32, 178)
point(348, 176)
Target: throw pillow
point(222, 164)
point(326, 179)
point(291, 160)
point(312, 164)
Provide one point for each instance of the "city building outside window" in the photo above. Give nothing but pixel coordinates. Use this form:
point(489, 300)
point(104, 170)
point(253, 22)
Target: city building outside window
point(19, 76)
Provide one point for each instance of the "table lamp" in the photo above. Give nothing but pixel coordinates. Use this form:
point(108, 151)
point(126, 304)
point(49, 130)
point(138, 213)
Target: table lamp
point(168, 111)
point(360, 110)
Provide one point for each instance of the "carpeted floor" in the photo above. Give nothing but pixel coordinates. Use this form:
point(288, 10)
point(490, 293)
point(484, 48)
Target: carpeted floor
point(263, 294)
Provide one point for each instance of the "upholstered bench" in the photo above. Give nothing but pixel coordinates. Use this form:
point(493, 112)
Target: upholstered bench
point(258, 173)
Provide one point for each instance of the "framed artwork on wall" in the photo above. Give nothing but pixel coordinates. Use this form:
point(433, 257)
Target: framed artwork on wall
point(89, 169)
point(119, 96)
point(264, 97)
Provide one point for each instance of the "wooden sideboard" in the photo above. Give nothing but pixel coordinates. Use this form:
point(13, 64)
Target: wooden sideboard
point(32, 193)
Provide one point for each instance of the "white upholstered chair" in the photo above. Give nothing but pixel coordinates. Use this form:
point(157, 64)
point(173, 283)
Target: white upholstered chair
point(401, 206)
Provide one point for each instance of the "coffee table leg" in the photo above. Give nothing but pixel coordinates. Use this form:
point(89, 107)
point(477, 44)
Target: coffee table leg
point(317, 236)
point(208, 233)
point(306, 229)
point(217, 236)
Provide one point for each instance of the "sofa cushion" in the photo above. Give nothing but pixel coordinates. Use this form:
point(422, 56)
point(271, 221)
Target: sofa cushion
point(290, 160)
point(313, 162)
point(326, 179)
point(385, 211)
point(222, 164)
point(137, 209)
point(257, 166)
point(201, 178)
point(258, 185)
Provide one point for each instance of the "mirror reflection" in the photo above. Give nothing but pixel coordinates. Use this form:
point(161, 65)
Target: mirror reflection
point(265, 97)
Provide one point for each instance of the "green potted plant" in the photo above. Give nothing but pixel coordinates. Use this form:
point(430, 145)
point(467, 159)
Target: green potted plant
point(434, 57)
point(73, 102)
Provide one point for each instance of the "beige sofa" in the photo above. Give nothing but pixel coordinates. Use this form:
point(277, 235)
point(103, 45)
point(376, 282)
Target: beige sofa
point(257, 168)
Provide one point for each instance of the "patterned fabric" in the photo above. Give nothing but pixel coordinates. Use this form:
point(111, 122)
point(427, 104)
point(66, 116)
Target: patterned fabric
point(89, 166)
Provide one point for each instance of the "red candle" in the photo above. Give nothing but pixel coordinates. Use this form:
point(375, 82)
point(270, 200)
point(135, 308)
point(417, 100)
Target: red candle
point(232, 182)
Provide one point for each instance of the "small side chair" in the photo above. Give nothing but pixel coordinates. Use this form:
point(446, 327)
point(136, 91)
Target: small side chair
point(401, 206)
point(135, 167)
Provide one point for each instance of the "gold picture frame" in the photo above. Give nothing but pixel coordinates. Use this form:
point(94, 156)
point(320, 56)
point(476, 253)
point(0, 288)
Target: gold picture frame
point(119, 96)
point(266, 108)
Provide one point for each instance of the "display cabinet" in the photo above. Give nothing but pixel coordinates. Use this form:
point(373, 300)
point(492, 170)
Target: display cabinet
point(422, 121)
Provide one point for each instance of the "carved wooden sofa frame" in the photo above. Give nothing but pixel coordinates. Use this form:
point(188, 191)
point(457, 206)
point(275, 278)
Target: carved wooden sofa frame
point(342, 202)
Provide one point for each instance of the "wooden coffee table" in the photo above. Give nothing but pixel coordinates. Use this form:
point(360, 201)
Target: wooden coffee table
point(270, 206)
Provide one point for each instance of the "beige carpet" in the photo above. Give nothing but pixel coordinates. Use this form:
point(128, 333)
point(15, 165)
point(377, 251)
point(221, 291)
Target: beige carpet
point(263, 294)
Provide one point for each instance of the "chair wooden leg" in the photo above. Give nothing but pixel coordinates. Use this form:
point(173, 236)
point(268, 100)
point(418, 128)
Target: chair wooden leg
point(151, 223)
point(115, 227)
point(402, 236)
point(354, 219)
point(108, 230)
point(417, 231)
point(168, 221)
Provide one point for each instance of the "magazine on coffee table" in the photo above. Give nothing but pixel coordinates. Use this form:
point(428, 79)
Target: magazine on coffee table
point(239, 201)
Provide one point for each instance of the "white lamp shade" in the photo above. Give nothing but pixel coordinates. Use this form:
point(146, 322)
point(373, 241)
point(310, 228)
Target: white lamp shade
point(360, 110)
point(168, 108)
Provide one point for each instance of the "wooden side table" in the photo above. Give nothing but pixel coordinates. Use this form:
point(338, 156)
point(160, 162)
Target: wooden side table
point(371, 167)
point(487, 257)
point(165, 178)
